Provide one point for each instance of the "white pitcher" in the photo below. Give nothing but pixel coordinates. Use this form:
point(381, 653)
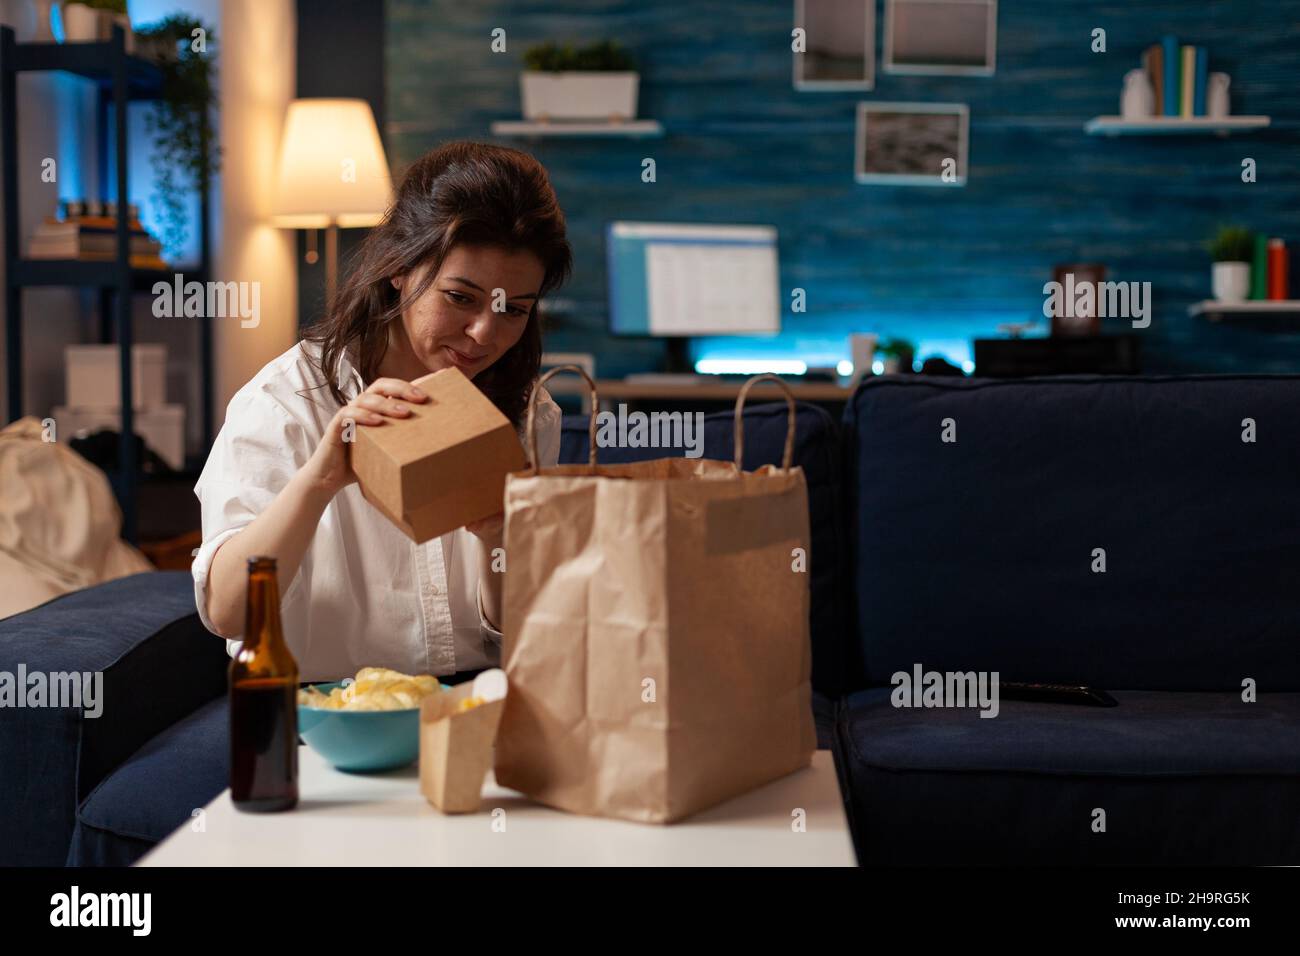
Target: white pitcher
point(1138, 100)
point(1216, 95)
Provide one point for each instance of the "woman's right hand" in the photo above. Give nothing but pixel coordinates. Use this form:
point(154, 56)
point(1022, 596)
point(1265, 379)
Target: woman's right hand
point(384, 398)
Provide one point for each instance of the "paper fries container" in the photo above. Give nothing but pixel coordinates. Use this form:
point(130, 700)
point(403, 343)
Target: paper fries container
point(444, 465)
point(456, 746)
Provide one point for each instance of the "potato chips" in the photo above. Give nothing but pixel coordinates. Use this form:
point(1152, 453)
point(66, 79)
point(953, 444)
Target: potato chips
point(374, 688)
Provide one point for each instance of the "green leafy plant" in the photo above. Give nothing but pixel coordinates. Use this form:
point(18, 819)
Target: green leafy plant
point(185, 151)
point(606, 55)
point(895, 348)
point(115, 6)
point(1232, 244)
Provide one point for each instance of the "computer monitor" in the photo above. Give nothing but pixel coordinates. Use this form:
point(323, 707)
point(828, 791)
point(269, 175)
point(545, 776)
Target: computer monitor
point(677, 280)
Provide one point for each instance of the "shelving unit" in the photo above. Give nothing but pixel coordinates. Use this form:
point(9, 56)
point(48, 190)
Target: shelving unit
point(120, 79)
point(1215, 310)
point(1174, 125)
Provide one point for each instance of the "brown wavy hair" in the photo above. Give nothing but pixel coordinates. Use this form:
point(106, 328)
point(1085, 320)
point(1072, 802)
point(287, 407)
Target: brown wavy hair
point(461, 192)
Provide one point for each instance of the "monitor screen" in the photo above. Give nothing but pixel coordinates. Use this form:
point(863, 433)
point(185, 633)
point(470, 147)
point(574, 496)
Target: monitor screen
point(676, 279)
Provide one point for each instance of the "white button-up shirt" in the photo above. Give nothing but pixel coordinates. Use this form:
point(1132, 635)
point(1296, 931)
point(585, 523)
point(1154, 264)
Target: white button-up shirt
point(365, 595)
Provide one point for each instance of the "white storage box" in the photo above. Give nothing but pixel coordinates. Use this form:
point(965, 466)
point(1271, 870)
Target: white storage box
point(93, 382)
point(162, 428)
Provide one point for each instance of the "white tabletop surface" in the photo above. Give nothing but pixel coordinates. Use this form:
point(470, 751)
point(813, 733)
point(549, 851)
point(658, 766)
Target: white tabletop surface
point(384, 820)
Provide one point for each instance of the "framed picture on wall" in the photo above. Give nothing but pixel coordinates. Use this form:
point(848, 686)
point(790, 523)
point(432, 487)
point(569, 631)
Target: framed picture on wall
point(941, 37)
point(912, 144)
point(839, 45)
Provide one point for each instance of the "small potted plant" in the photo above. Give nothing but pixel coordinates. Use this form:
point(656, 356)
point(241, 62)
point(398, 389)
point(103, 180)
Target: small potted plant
point(595, 82)
point(88, 21)
point(898, 355)
point(1232, 248)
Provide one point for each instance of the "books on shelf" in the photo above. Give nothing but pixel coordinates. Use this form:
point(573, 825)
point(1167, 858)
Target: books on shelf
point(1178, 74)
point(1172, 75)
point(1259, 268)
point(1153, 61)
point(1269, 270)
point(94, 239)
point(1201, 77)
point(1278, 282)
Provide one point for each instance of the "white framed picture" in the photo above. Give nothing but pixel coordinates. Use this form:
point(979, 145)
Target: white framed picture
point(839, 39)
point(941, 37)
point(912, 144)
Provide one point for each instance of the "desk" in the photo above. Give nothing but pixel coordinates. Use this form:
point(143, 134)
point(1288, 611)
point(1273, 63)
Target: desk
point(382, 819)
point(617, 390)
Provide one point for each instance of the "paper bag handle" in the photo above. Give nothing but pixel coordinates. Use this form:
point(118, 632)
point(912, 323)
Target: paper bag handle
point(740, 421)
point(531, 430)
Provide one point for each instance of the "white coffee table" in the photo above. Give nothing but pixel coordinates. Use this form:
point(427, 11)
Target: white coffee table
point(384, 820)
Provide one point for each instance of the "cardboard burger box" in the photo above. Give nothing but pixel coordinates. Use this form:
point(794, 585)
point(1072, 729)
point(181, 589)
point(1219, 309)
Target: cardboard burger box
point(444, 465)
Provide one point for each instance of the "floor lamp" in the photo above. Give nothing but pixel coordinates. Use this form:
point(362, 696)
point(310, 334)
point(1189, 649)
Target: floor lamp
point(332, 175)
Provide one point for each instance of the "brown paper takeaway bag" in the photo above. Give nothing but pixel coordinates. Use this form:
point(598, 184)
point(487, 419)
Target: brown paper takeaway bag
point(655, 631)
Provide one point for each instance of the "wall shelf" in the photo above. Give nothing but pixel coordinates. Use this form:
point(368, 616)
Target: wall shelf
point(95, 274)
point(1173, 125)
point(92, 61)
point(1215, 309)
point(635, 129)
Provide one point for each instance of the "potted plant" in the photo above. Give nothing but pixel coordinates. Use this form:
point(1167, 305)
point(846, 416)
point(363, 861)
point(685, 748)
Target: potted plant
point(898, 355)
point(1232, 249)
point(89, 21)
point(185, 153)
point(595, 82)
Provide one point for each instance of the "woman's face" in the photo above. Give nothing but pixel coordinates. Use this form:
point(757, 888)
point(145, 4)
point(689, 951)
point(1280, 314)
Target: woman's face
point(475, 309)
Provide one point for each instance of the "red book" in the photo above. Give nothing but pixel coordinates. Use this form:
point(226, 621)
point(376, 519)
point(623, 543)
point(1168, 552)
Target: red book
point(1277, 272)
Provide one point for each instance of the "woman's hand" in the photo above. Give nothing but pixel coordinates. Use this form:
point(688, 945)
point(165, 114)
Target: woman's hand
point(330, 464)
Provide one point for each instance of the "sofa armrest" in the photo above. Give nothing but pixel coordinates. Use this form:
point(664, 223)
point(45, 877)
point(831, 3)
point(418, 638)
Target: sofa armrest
point(150, 661)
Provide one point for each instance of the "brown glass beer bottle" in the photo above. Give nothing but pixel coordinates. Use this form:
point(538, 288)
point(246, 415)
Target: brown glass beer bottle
point(263, 703)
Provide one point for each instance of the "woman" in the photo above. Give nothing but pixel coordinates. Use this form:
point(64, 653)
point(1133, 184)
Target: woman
point(469, 219)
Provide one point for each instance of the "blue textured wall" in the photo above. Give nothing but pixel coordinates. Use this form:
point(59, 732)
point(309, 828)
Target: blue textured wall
point(934, 265)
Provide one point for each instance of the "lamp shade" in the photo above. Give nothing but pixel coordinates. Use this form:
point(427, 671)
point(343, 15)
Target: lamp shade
point(332, 167)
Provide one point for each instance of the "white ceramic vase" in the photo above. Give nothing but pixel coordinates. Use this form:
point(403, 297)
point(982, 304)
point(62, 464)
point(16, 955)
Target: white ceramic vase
point(1216, 95)
point(1231, 281)
point(1138, 100)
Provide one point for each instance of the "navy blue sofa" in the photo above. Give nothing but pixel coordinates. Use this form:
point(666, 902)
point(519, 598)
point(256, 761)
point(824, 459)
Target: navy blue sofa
point(77, 789)
point(978, 555)
point(968, 555)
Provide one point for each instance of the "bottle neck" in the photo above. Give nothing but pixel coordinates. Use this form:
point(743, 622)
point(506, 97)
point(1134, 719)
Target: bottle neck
point(262, 621)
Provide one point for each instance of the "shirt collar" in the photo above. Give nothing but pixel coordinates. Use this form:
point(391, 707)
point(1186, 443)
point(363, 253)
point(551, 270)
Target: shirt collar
point(349, 376)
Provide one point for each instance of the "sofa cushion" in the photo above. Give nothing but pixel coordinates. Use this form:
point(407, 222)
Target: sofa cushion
point(979, 553)
point(156, 791)
point(158, 663)
point(1182, 777)
point(816, 450)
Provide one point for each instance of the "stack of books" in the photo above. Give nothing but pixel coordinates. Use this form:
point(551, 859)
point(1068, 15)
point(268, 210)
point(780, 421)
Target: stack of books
point(1178, 77)
point(1269, 277)
point(93, 238)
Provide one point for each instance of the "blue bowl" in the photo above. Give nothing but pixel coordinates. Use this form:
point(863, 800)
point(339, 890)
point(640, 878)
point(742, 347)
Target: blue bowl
point(361, 741)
